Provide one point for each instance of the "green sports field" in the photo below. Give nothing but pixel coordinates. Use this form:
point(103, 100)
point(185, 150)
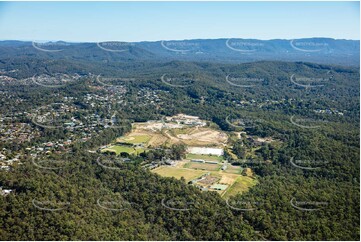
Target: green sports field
point(205, 157)
point(202, 166)
point(177, 173)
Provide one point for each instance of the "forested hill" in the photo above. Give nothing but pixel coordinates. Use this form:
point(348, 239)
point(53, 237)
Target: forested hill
point(317, 50)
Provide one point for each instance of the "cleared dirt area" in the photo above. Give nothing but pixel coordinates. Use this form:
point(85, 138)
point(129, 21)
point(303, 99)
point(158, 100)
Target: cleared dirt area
point(203, 136)
point(228, 178)
point(156, 126)
point(135, 138)
point(209, 180)
point(158, 139)
point(196, 136)
point(156, 134)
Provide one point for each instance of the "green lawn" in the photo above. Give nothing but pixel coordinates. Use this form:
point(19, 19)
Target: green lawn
point(205, 157)
point(202, 166)
point(177, 173)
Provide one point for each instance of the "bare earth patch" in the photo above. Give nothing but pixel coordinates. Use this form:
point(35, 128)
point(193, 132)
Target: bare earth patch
point(168, 134)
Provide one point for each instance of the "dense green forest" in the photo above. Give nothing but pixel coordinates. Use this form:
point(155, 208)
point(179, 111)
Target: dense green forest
point(75, 195)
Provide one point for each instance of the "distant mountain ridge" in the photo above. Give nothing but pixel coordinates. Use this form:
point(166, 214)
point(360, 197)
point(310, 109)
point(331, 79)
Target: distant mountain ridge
point(317, 50)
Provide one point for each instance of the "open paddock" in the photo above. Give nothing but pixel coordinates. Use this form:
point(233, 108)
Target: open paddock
point(177, 173)
point(202, 166)
point(241, 184)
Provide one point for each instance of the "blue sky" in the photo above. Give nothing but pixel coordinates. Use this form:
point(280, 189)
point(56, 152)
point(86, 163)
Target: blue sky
point(149, 21)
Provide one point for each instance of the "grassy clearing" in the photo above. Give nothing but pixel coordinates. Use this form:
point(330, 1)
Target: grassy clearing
point(177, 173)
point(233, 169)
point(236, 182)
point(205, 157)
point(242, 184)
point(202, 166)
